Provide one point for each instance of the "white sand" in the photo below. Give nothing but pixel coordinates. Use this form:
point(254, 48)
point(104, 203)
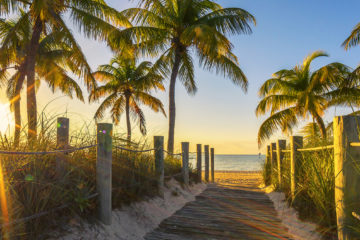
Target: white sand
point(134, 221)
point(298, 229)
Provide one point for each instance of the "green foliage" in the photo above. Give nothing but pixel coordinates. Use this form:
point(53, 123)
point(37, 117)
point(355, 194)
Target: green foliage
point(299, 93)
point(127, 85)
point(34, 186)
point(171, 28)
point(315, 195)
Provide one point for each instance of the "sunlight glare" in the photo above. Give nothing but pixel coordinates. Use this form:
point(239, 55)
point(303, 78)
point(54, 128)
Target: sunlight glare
point(6, 118)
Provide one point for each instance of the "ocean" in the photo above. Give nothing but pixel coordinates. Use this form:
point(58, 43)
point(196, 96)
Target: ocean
point(233, 162)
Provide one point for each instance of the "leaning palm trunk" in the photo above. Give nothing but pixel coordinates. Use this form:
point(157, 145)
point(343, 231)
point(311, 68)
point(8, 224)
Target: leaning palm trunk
point(16, 103)
point(17, 116)
point(30, 72)
point(321, 124)
point(172, 109)
point(17, 112)
point(128, 124)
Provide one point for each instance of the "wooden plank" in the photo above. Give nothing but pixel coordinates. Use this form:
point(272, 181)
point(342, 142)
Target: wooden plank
point(224, 212)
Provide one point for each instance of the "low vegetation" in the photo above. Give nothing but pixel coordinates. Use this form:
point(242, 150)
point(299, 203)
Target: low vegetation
point(315, 195)
point(33, 186)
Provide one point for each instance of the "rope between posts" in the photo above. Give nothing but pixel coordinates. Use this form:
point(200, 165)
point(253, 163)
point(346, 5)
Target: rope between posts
point(132, 150)
point(147, 150)
point(47, 152)
point(173, 154)
point(37, 215)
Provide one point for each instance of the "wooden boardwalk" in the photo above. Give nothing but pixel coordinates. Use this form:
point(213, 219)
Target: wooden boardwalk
point(230, 210)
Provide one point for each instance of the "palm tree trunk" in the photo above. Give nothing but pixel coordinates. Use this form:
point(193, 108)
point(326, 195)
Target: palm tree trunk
point(17, 112)
point(321, 124)
point(30, 72)
point(172, 109)
point(128, 123)
point(17, 116)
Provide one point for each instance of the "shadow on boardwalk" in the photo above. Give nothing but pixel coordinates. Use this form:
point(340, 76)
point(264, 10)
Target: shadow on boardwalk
point(224, 211)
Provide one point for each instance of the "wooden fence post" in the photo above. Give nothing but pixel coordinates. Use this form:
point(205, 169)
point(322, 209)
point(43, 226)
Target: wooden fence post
point(347, 177)
point(280, 145)
point(62, 142)
point(296, 142)
point(272, 160)
point(206, 163)
point(103, 171)
point(267, 166)
point(198, 162)
point(212, 156)
point(185, 162)
point(159, 162)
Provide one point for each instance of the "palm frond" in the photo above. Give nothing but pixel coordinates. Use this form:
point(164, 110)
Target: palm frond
point(353, 39)
point(233, 20)
point(283, 120)
point(107, 103)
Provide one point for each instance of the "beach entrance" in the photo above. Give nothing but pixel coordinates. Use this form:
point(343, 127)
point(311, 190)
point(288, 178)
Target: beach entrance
point(234, 207)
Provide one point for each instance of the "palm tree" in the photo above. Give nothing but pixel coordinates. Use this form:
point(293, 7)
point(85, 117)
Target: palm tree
point(126, 86)
point(297, 94)
point(353, 39)
point(92, 17)
point(52, 61)
point(179, 28)
point(347, 90)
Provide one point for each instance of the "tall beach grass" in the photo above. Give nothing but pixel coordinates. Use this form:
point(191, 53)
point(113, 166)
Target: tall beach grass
point(33, 186)
point(315, 193)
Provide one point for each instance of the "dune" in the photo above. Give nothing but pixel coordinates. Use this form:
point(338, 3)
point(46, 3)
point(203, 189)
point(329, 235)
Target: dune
point(134, 221)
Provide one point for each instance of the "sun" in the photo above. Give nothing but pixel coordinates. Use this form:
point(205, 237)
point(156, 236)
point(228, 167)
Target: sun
point(6, 118)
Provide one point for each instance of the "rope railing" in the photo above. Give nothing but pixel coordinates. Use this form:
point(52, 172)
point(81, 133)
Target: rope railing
point(147, 150)
point(355, 144)
point(172, 154)
point(46, 152)
point(285, 151)
point(315, 148)
point(133, 150)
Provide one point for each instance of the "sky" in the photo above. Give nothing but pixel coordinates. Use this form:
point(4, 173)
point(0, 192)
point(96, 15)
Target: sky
point(221, 114)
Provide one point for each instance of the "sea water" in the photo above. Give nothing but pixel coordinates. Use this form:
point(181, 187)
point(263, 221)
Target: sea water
point(233, 162)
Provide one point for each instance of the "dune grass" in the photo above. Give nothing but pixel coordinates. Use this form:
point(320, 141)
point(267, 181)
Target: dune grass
point(33, 186)
point(314, 198)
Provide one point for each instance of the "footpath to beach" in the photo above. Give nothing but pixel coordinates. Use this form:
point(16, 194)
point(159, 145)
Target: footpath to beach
point(232, 208)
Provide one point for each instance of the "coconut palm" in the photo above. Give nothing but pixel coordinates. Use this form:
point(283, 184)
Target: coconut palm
point(353, 39)
point(52, 61)
point(127, 85)
point(92, 17)
point(298, 93)
point(180, 28)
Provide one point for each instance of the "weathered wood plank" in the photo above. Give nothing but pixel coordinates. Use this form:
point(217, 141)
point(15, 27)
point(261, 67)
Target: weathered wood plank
point(224, 212)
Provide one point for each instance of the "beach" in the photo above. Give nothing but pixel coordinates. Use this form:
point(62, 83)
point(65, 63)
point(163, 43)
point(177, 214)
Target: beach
point(238, 177)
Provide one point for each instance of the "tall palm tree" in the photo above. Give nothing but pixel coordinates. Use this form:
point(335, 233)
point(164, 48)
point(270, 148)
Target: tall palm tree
point(127, 85)
point(298, 93)
point(92, 17)
point(52, 62)
point(180, 28)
